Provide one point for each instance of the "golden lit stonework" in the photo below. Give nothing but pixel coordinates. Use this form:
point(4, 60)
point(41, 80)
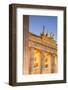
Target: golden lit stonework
point(42, 57)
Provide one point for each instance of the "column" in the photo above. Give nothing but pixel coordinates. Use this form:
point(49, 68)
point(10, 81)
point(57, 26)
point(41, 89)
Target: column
point(42, 62)
point(53, 64)
point(31, 60)
point(56, 64)
point(26, 61)
point(49, 63)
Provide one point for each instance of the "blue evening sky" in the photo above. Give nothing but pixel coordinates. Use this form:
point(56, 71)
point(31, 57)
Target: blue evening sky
point(36, 24)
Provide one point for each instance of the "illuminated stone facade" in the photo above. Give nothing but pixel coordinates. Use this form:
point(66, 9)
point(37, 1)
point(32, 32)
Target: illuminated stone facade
point(42, 54)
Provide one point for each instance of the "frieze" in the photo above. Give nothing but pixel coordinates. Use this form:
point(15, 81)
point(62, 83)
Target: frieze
point(45, 42)
point(41, 47)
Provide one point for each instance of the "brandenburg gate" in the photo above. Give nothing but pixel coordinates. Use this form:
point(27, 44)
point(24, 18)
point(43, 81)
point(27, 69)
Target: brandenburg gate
point(40, 53)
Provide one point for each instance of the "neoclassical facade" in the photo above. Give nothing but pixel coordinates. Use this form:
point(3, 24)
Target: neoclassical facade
point(41, 57)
